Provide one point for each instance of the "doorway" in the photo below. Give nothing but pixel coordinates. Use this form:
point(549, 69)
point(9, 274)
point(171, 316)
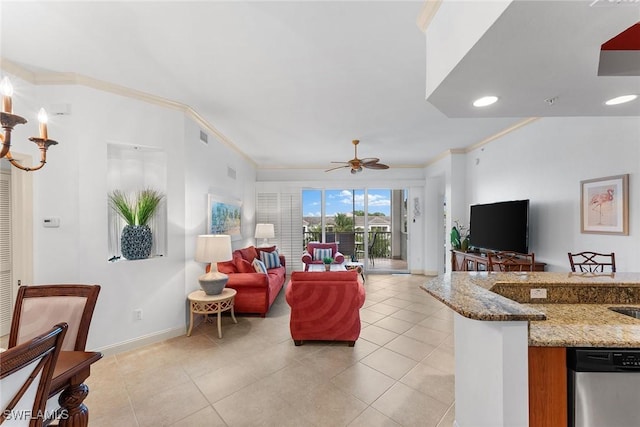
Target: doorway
point(16, 235)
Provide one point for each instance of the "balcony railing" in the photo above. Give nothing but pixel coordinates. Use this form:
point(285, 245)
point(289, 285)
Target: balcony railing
point(381, 246)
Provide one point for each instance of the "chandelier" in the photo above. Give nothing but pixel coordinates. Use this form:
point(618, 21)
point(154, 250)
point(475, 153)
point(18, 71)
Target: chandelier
point(9, 120)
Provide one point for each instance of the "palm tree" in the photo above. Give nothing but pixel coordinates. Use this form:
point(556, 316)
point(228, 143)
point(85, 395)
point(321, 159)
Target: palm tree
point(343, 222)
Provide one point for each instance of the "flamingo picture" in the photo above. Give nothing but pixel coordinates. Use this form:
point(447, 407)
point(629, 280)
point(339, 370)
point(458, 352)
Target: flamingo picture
point(599, 199)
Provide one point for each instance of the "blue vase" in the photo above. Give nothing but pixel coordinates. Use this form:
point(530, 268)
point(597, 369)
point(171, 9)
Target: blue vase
point(136, 241)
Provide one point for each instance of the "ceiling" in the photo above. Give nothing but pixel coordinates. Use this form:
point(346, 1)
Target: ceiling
point(290, 84)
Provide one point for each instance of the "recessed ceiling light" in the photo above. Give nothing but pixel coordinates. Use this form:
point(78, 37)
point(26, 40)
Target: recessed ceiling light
point(484, 101)
point(621, 99)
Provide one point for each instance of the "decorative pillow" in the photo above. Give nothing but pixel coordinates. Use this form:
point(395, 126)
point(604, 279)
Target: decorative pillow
point(227, 267)
point(259, 266)
point(249, 253)
point(242, 265)
point(270, 259)
point(320, 254)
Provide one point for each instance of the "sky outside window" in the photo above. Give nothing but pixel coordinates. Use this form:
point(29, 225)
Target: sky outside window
point(342, 201)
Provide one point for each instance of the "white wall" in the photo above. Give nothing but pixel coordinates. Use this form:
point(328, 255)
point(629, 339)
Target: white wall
point(73, 187)
point(545, 162)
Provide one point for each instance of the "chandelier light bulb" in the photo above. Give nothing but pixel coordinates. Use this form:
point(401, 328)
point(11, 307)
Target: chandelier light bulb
point(7, 92)
point(5, 87)
point(42, 118)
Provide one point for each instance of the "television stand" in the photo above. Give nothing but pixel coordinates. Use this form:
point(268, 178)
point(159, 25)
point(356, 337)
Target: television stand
point(478, 261)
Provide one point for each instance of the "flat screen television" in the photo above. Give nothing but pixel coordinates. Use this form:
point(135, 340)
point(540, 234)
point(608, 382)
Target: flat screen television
point(502, 226)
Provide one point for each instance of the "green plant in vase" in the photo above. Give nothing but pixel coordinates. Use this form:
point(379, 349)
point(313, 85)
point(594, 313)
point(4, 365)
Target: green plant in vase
point(136, 238)
point(327, 263)
point(460, 237)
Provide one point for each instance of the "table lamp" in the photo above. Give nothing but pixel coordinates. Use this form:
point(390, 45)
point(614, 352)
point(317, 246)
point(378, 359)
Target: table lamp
point(264, 232)
point(213, 248)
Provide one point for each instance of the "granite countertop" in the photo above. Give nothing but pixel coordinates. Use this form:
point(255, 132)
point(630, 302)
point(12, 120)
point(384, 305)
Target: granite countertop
point(561, 320)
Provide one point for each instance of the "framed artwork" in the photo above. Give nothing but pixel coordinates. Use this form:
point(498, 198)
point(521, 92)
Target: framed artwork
point(604, 205)
point(224, 217)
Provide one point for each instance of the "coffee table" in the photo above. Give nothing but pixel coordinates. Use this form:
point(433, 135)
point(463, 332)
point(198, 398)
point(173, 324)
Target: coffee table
point(320, 267)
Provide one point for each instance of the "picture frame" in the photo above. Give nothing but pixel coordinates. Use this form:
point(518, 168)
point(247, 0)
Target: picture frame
point(604, 205)
point(224, 216)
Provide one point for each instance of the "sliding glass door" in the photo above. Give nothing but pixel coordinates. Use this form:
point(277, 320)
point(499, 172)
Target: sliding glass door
point(368, 224)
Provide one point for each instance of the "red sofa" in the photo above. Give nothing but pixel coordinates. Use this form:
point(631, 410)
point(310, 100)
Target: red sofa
point(325, 306)
point(256, 291)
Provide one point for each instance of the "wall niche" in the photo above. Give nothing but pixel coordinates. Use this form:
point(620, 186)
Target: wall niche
point(130, 169)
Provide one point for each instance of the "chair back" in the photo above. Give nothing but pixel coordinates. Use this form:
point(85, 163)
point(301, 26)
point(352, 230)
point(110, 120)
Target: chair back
point(511, 261)
point(315, 245)
point(347, 244)
point(592, 262)
point(25, 378)
point(39, 306)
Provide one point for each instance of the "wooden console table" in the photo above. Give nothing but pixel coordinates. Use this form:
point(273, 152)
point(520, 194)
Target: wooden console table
point(477, 261)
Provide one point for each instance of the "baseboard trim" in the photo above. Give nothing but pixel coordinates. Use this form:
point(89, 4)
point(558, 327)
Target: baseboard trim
point(430, 273)
point(135, 343)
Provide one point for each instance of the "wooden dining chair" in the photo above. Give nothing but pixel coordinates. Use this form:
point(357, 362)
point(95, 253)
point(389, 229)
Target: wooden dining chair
point(39, 306)
point(511, 261)
point(26, 371)
point(592, 262)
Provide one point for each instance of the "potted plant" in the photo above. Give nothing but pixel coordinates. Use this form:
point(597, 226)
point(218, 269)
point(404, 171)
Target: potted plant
point(460, 237)
point(327, 263)
point(136, 238)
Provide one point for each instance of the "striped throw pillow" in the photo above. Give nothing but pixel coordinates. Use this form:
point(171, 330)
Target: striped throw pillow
point(320, 254)
point(259, 266)
point(270, 259)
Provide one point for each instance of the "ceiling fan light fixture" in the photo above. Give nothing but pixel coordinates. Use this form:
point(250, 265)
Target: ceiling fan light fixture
point(485, 101)
point(621, 99)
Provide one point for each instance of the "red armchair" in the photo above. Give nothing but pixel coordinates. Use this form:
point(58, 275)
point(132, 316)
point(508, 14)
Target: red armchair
point(325, 306)
point(309, 258)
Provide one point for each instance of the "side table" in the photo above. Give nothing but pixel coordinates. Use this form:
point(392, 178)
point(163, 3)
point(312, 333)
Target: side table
point(354, 265)
point(201, 303)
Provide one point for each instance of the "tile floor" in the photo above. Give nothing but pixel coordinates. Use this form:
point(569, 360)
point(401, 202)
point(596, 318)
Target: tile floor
point(400, 372)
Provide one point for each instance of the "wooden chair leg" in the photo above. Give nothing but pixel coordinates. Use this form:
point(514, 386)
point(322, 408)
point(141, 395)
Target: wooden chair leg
point(352, 343)
point(297, 342)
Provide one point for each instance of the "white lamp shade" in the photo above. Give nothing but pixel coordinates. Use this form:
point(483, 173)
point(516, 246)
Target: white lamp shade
point(213, 248)
point(265, 231)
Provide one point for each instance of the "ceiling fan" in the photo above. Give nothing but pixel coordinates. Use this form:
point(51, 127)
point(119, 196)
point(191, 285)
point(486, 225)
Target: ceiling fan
point(357, 164)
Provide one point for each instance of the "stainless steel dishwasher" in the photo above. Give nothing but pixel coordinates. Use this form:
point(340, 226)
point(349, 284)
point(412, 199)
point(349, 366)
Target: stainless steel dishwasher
point(603, 387)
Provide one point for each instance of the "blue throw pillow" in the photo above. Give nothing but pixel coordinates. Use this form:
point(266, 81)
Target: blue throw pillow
point(270, 259)
point(259, 266)
point(320, 254)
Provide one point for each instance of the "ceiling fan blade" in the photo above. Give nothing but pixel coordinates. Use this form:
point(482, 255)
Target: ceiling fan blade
point(369, 160)
point(344, 163)
point(337, 167)
point(375, 165)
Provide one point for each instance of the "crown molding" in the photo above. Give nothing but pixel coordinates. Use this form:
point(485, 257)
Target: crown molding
point(502, 133)
point(482, 143)
point(428, 11)
point(68, 78)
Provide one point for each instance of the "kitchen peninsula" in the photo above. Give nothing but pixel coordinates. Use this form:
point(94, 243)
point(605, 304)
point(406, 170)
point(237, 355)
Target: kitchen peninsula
point(501, 333)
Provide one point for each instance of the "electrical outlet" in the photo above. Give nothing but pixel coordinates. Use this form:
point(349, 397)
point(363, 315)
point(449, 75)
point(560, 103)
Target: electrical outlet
point(137, 313)
point(538, 293)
